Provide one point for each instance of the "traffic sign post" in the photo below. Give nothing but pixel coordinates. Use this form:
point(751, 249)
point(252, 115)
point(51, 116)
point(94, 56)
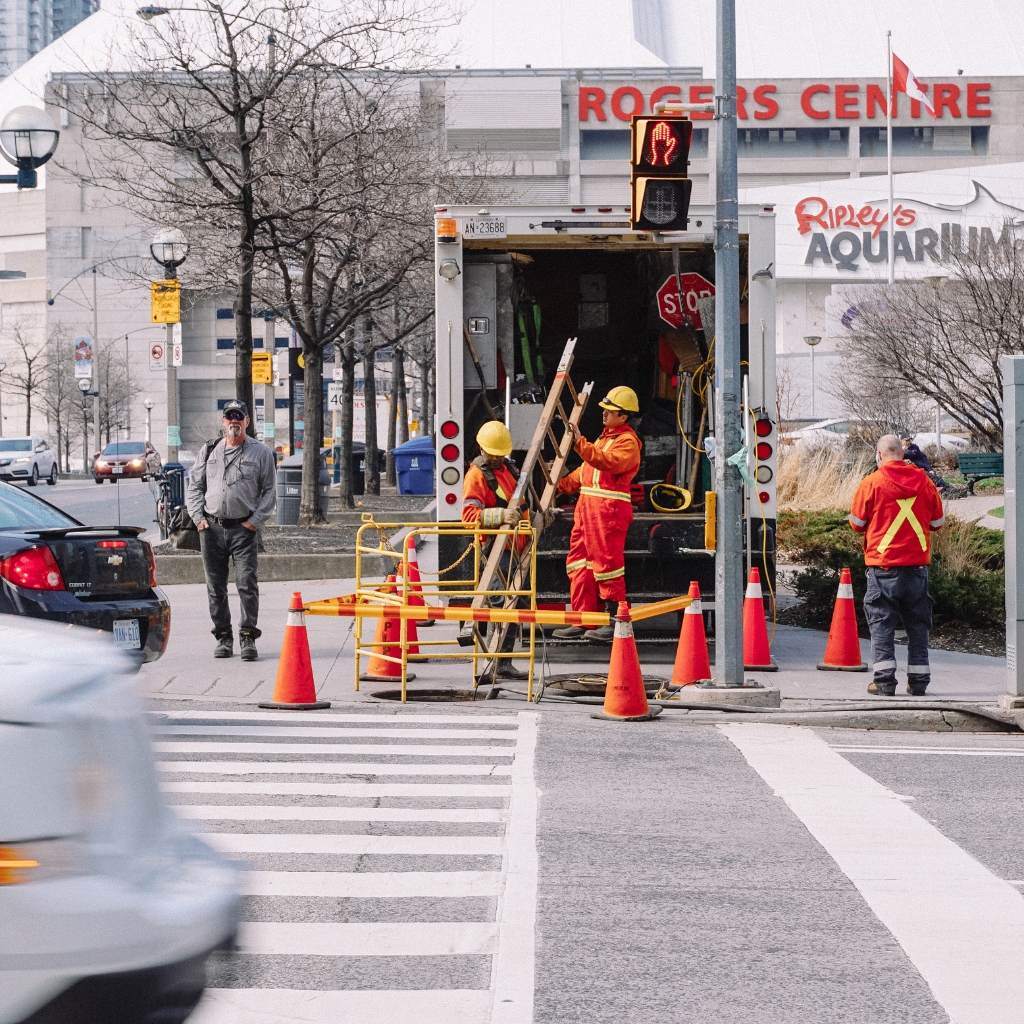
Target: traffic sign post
point(692, 287)
point(165, 301)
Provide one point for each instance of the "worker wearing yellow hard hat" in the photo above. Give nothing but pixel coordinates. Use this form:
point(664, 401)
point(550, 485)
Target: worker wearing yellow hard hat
point(596, 562)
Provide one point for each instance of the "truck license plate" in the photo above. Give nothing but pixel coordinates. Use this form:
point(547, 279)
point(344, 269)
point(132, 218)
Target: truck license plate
point(126, 633)
point(485, 227)
point(117, 469)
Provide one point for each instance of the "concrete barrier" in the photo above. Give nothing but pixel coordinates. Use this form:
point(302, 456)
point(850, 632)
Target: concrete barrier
point(174, 569)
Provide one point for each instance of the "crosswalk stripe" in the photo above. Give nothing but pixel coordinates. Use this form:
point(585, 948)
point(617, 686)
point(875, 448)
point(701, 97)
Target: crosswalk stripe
point(321, 717)
point(325, 732)
point(363, 884)
point(253, 812)
point(948, 751)
point(390, 749)
point(376, 938)
point(359, 789)
point(302, 1006)
point(328, 768)
point(361, 845)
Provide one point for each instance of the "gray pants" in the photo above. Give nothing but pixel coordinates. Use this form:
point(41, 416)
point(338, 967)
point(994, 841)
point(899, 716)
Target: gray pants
point(894, 594)
point(222, 545)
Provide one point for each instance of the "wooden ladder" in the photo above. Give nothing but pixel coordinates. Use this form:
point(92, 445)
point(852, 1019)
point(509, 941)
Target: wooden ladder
point(551, 471)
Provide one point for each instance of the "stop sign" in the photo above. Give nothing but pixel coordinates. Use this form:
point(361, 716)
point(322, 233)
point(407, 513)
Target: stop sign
point(693, 287)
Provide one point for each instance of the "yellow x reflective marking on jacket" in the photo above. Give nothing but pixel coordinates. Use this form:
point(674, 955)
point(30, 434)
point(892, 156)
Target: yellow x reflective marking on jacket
point(906, 515)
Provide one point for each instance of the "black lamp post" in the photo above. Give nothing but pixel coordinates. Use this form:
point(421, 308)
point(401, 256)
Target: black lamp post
point(28, 138)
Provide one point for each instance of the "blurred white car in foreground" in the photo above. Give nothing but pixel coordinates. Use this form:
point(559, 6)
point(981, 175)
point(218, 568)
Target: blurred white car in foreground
point(108, 907)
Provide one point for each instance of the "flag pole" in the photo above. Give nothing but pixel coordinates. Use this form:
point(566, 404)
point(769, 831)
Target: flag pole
point(891, 255)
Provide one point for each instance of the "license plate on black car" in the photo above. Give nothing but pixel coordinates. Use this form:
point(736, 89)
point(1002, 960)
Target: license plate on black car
point(126, 633)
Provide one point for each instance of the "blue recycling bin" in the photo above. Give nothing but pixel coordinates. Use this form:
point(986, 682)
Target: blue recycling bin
point(414, 466)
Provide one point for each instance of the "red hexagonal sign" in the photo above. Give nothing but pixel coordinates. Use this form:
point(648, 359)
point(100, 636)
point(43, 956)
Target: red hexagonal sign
point(694, 287)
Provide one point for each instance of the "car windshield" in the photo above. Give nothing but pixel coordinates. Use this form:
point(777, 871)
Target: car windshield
point(20, 510)
point(19, 444)
point(125, 448)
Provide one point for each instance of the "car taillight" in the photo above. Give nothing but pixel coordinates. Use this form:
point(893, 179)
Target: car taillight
point(35, 569)
point(112, 544)
point(152, 563)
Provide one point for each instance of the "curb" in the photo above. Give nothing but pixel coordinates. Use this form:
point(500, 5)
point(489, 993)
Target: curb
point(172, 570)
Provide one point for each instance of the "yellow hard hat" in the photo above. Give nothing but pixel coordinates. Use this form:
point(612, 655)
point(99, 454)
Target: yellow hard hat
point(620, 399)
point(494, 438)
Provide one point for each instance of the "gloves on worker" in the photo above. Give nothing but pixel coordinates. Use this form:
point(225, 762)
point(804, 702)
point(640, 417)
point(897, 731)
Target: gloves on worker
point(494, 518)
point(550, 515)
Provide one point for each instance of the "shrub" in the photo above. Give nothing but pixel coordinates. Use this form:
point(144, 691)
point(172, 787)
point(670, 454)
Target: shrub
point(965, 578)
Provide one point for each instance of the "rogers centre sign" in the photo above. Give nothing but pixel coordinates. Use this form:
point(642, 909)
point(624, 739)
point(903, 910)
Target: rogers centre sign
point(818, 101)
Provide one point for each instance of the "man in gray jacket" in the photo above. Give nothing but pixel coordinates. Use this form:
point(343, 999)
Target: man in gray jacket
point(230, 496)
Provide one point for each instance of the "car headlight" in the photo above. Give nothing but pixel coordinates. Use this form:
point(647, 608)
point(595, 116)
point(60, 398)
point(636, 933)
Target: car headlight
point(100, 464)
point(136, 462)
point(23, 460)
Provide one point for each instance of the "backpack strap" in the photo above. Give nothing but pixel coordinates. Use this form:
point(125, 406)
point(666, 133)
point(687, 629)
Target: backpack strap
point(492, 480)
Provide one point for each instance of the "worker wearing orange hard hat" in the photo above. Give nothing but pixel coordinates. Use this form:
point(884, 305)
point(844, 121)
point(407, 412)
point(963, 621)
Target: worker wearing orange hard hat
point(596, 562)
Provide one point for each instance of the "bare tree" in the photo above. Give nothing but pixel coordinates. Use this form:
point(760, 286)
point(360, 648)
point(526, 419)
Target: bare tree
point(187, 139)
point(26, 377)
point(941, 340)
point(60, 394)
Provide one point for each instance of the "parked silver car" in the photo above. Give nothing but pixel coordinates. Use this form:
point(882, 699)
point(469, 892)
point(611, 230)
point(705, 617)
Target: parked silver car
point(29, 459)
point(109, 907)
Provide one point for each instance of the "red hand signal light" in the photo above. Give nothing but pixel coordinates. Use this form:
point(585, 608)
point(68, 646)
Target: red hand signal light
point(663, 145)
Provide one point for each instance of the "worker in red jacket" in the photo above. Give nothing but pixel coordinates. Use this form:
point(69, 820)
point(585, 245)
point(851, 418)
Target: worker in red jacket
point(896, 508)
point(596, 562)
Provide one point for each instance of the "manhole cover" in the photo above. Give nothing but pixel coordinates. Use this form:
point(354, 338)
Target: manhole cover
point(437, 696)
point(574, 682)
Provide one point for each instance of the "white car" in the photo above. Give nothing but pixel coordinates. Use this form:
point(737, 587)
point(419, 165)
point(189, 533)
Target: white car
point(950, 442)
point(108, 907)
point(29, 459)
point(824, 433)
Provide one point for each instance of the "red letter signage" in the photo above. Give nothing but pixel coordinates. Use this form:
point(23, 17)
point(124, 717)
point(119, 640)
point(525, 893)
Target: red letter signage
point(805, 102)
point(592, 99)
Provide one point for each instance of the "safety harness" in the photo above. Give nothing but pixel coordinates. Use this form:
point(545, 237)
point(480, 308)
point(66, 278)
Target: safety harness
point(500, 500)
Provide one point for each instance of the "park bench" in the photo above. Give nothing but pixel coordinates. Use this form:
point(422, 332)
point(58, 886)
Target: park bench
point(977, 466)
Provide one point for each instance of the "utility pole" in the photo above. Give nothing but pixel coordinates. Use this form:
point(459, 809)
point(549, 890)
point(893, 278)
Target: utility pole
point(96, 364)
point(729, 583)
point(269, 402)
point(1013, 459)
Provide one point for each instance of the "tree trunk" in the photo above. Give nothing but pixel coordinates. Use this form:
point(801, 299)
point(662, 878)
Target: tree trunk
point(242, 308)
point(424, 422)
point(372, 484)
point(403, 402)
point(431, 401)
point(310, 512)
point(348, 380)
point(392, 413)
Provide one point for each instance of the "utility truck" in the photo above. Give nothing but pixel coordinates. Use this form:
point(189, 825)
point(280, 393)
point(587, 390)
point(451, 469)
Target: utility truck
point(515, 283)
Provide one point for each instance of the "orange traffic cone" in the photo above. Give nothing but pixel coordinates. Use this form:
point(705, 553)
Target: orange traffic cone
point(415, 581)
point(411, 635)
point(386, 641)
point(294, 689)
point(756, 655)
point(842, 652)
point(692, 664)
point(624, 696)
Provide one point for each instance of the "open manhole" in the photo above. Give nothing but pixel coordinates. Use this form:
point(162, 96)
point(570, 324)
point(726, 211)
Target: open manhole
point(432, 696)
point(594, 685)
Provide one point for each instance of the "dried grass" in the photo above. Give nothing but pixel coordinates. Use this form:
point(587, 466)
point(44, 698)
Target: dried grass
point(819, 478)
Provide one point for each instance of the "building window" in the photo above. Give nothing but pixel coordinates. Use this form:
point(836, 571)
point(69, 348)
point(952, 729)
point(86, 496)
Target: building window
point(613, 144)
point(280, 343)
point(257, 342)
point(758, 143)
point(280, 403)
point(225, 314)
point(225, 343)
point(934, 140)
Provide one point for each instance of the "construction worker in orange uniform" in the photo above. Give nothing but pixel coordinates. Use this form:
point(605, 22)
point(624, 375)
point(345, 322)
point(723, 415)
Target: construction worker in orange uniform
point(489, 484)
point(596, 562)
point(896, 508)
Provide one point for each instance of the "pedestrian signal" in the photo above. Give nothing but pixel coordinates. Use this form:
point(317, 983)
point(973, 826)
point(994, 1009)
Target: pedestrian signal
point(659, 156)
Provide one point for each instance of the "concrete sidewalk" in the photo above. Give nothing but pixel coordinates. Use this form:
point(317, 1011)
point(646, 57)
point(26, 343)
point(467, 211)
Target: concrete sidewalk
point(188, 668)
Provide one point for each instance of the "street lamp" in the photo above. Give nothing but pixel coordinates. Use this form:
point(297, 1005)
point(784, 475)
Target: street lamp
point(28, 138)
point(170, 249)
point(813, 340)
point(148, 403)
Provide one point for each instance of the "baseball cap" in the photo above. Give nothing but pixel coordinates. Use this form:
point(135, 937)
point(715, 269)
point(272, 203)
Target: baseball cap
point(234, 406)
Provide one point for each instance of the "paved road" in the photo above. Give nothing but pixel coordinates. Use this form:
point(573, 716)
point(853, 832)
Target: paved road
point(682, 872)
point(126, 503)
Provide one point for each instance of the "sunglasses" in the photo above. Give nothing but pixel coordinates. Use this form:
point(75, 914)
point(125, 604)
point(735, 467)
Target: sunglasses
point(237, 416)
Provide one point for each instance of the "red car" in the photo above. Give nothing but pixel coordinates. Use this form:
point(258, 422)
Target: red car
point(120, 459)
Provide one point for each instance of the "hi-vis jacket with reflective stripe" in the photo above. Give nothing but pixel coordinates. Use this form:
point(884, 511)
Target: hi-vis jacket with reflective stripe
point(609, 464)
point(896, 508)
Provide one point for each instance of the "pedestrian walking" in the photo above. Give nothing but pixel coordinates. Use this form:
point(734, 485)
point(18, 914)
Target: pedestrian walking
point(596, 563)
point(230, 496)
point(896, 508)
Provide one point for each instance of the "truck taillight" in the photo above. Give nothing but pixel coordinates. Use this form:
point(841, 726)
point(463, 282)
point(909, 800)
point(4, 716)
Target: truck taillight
point(764, 450)
point(449, 429)
point(764, 428)
point(764, 497)
point(451, 497)
point(450, 452)
point(35, 569)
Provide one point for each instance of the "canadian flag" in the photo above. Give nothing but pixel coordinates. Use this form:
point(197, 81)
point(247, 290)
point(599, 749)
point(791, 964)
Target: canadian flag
point(903, 80)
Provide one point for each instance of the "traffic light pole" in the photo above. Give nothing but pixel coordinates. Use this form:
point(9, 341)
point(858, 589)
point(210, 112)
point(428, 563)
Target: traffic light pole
point(729, 583)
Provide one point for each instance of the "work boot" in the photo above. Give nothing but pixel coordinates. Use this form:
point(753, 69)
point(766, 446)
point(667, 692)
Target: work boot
point(918, 685)
point(569, 633)
point(882, 688)
point(247, 645)
point(603, 634)
point(508, 670)
point(225, 646)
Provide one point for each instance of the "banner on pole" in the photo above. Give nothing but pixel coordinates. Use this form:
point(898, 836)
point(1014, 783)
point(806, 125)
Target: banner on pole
point(83, 356)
